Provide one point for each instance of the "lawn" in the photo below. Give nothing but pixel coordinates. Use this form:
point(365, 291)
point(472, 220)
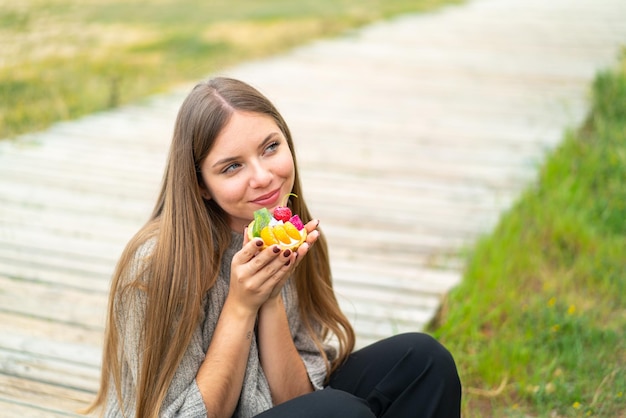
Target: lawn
point(537, 324)
point(60, 59)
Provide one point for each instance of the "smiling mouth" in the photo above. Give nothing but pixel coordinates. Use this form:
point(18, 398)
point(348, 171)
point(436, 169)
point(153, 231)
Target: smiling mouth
point(267, 199)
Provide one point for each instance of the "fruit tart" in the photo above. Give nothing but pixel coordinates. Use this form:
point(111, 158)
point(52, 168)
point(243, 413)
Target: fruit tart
point(279, 228)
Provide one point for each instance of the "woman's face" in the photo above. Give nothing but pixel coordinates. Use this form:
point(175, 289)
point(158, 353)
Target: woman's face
point(249, 167)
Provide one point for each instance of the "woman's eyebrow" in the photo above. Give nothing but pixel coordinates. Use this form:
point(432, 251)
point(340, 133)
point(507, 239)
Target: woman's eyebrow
point(224, 161)
point(267, 139)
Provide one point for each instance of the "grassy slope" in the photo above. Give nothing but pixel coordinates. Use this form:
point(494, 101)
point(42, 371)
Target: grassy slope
point(64, 58)
point(537, 325)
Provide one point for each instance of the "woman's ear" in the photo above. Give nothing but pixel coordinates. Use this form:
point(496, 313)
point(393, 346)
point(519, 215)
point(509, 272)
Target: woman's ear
point(205, 193)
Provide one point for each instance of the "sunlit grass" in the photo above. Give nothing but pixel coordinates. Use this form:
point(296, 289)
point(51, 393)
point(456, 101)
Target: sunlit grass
point(61, 59)
point(537, 325)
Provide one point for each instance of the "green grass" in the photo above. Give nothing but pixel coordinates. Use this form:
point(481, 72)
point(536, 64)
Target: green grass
point(65, 58)
point(537, 325)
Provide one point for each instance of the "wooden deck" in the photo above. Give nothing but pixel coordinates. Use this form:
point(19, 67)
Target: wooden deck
point(413, 136)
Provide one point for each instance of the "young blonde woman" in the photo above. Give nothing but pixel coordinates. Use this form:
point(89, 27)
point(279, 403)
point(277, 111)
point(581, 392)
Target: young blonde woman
point(204, 322)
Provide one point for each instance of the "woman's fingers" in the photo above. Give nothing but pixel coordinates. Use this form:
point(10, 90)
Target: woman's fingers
point(268, 262)
point(288, 259)
point(263, 273)
point(312, 236)
point(246, 238)
point(312, 225)
point(255, 266)
point(313, 233)
point(248, 251)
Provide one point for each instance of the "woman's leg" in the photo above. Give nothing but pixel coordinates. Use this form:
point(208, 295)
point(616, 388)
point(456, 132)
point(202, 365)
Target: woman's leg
point(407, 375)
point(327, 403)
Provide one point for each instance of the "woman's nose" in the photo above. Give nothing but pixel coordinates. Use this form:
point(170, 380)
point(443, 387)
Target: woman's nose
point(261, 176)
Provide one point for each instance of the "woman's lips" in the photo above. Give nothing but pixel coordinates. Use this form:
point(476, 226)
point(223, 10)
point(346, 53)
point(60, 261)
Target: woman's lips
point(268, 200)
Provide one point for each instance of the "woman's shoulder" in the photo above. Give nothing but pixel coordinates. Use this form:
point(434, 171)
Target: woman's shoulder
point(144, 249)
point(135, 258)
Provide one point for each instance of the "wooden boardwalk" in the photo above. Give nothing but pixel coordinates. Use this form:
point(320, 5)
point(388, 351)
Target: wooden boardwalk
point(413, 136)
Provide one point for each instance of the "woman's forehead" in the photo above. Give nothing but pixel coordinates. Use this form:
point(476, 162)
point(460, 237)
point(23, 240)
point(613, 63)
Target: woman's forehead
point(244, 130)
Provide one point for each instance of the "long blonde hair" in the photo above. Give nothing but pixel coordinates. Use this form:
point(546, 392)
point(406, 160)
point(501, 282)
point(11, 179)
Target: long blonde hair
point(179, 271)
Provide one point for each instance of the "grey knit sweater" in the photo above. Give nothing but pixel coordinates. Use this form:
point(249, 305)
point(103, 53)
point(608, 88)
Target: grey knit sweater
point(183, 397)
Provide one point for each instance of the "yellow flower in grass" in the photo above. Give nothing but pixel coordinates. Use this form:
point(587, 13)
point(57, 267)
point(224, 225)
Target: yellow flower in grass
point(552, 301)
point(532, 389)
point(571, 310)
point(576, 405)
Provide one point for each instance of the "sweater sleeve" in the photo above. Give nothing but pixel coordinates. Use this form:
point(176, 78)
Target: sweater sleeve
point(183, 398)
point(309, 353)
point(312, 359)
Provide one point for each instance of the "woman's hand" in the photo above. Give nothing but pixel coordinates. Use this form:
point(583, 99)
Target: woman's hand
point(295, 257)
point(282, 364)
point(311, 237)
point(256, 274)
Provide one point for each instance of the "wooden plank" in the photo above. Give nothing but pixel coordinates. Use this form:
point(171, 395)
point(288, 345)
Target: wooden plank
point(107, 228)
point(391, 240)
point(81, 308)
point(40, 273)
point(50, 371)
point(23, 397)
point(46, 330)
point(395, 278)
point(373, 328)
point(12, 408)
point(71, 200)
point(51, 348)
point(100, 254)
point(89, 265)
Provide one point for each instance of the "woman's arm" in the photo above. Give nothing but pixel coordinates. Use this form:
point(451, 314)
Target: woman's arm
point(281, 362)
point(255, 276)
point(280, 359)
point(220, 377)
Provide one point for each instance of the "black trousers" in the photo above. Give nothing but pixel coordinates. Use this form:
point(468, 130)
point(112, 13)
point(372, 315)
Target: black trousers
point(408, 375)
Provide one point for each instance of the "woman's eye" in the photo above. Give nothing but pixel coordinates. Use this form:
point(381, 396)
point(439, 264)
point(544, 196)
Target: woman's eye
point(272, 147)
point(230, 168)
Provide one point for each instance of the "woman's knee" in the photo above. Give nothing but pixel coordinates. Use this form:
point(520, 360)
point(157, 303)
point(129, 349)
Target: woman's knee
point(340, 404)
point(424, 346)
point(328, 403)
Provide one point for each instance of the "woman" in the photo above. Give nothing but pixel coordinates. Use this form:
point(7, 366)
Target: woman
point(202, 322)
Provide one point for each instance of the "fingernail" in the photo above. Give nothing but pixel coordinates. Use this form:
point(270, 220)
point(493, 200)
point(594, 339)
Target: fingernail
point(287, 253)
point(259, 243)
point(276, 250)
point(288, 262)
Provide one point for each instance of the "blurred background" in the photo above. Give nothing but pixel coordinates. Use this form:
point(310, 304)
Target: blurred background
point(60, 59)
